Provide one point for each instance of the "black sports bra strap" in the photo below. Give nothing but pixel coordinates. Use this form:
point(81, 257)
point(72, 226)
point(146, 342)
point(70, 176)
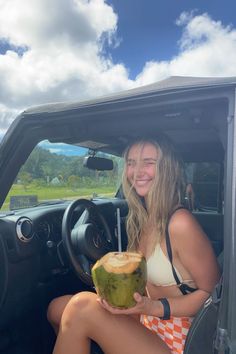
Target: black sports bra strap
point(184, 288)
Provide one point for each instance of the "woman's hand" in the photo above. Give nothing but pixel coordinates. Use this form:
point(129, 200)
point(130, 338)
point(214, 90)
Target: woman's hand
point(144, 305)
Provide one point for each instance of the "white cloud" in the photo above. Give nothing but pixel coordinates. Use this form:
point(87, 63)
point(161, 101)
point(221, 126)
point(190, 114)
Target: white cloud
point(63, 57)
point(7, 115)
point(56, 52)
point(43, 23)
point(206, 48)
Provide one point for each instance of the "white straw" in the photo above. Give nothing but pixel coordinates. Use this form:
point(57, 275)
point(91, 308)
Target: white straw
point(118, 230)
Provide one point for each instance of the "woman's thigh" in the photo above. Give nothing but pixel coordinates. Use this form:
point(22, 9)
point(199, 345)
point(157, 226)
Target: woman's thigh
point(115, 334)
point(127, 336)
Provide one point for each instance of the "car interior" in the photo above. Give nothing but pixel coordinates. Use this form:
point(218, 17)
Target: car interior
point(40, 258)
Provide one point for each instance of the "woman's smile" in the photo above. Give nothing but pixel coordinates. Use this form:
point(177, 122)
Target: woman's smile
point(142, 182)
point(141, 167)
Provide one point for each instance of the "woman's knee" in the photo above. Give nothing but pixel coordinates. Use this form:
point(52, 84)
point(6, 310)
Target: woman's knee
point(81, 308)
point(56, 308)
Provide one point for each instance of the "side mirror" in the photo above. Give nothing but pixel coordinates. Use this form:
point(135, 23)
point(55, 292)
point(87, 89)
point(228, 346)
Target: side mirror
point(98, 163)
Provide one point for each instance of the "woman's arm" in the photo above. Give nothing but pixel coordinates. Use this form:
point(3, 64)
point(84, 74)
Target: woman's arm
point(193, 249)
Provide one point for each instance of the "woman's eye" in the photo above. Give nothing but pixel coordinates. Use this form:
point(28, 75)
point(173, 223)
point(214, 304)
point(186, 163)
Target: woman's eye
point(131, 163)
point(140, 164)
point(149, 163)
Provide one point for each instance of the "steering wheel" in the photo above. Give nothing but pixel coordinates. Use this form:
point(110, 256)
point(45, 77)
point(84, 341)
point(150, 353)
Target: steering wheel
point(88, 240)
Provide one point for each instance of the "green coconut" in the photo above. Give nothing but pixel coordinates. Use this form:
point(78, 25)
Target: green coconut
point(118, 275)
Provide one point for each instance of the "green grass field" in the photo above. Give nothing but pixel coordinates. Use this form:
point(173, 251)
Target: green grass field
point(57, 192)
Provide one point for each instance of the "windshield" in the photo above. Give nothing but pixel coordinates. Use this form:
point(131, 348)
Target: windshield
point(55, 172)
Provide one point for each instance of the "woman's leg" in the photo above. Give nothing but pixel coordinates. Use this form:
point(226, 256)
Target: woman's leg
point(84, 319)
point(55, 310)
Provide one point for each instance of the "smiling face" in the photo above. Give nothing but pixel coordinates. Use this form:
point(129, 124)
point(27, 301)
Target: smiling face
point(141, 167)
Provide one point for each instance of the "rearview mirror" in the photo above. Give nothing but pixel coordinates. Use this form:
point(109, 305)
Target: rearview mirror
point(98, 163)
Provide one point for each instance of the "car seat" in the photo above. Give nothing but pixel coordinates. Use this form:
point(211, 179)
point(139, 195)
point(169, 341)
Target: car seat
point(204, 324)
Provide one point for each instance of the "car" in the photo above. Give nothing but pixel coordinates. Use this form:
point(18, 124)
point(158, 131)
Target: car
point(62, 205)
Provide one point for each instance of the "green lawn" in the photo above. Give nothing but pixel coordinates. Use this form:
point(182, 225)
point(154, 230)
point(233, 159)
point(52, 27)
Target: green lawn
point(57, 192)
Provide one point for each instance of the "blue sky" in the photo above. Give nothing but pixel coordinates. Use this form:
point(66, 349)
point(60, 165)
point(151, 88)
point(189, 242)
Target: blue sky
point(64, 149)
point(148, 28)
point(66, 50)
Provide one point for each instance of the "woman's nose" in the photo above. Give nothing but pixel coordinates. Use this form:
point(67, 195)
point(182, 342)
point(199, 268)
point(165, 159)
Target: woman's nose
point(140, 169)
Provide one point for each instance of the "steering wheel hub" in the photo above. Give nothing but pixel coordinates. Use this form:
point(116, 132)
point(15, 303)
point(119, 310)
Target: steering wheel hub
point(87, 241)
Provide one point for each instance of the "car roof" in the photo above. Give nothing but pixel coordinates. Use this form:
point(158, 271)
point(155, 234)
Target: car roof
point(119, 113)
point(169, 85)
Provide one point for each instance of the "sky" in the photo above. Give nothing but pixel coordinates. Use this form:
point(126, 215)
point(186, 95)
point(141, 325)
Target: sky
point(67, 50)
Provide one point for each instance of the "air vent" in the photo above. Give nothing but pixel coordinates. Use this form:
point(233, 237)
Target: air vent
point(24, 229)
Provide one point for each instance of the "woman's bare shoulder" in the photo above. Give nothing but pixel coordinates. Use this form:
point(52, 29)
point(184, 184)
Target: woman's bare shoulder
point(194, 249)
point(183, 225)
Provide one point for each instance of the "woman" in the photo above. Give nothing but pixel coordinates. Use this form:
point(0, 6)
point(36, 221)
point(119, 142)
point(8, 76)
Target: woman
point(182, 269)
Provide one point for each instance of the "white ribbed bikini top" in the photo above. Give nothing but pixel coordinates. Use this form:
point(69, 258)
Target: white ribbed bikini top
point(159, 270)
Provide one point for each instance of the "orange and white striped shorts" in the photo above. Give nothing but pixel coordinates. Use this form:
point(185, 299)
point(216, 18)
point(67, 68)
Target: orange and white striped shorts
point(173, 331)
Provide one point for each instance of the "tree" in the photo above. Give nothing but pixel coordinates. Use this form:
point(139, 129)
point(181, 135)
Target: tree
point(73, 182)
point(25, 179)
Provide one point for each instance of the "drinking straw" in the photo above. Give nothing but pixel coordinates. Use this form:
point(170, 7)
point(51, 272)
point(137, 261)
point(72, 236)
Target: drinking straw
point(118, 229)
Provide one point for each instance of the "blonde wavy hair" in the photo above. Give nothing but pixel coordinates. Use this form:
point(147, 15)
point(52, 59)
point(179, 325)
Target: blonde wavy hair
point(165, 194)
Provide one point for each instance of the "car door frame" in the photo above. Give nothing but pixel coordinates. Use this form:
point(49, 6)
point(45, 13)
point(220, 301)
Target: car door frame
point(225, 341)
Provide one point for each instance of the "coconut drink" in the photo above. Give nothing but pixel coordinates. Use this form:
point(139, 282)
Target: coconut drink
point(118, 275)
